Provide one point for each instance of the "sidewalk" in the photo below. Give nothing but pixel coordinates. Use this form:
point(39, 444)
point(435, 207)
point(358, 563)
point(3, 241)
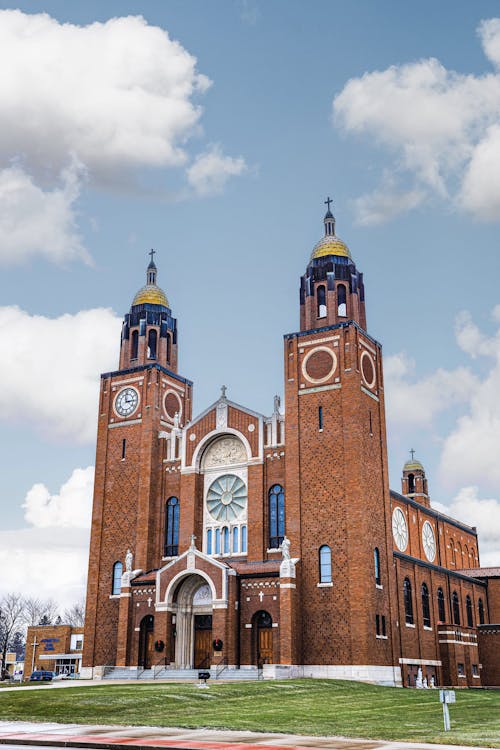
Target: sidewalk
point(145, 738)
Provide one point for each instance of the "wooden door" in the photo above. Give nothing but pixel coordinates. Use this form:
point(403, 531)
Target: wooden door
point(202, 641)
point(265, 646)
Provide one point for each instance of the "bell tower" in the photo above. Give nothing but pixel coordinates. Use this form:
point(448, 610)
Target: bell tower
point(338, 504)
point(142, 408)
point(414, 482)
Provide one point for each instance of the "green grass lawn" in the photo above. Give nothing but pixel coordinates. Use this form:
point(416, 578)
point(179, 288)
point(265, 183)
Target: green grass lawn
point(323, 707)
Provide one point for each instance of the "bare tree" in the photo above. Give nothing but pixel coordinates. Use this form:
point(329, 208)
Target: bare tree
point(11, 616)
point(39, 611)
point(75, 615)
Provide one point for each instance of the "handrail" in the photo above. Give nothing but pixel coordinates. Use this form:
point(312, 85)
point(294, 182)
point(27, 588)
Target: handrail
point(220, 667)
point(162, 663)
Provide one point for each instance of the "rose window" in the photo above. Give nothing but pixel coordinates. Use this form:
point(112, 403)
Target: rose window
point(227, 497)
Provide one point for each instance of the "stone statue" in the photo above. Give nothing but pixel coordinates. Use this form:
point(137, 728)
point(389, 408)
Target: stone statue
point(285, 548)
point(419, 681)
point(277, 404)
point(176, 420)
point(128, 561)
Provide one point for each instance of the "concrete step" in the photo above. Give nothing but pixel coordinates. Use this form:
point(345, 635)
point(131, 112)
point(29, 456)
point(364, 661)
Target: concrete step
point(118, 673)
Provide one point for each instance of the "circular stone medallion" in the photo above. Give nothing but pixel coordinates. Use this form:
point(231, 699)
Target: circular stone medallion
point(319, 364)
point(367, 370)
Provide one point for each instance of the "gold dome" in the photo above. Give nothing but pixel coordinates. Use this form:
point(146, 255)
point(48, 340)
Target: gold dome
point(330, 245)
point(413, 464)
point(150, 295)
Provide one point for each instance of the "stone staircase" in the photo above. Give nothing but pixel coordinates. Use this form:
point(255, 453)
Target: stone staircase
point(180, 675)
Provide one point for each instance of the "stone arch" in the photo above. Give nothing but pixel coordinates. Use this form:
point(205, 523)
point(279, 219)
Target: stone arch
point(212, 437)
point(193, 620)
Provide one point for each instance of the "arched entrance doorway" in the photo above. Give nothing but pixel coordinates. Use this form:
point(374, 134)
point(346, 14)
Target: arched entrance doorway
point(263, 638)
point(146, 641)
point(193, 611)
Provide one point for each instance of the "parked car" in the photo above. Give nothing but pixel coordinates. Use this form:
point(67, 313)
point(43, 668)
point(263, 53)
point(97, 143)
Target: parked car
point(41, 675)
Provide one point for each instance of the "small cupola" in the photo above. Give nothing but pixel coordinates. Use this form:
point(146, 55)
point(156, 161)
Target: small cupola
point(414, 481)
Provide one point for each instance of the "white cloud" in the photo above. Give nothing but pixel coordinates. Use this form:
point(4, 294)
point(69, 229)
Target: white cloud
point(67, 356)
point(72, 507)
point(41, 222)
point(50, 557)
point(484, 513)
point(386, 203)
point(117, 94)
point(414, 402)
point(211, 170)
point(471, 449)
point(441, 126)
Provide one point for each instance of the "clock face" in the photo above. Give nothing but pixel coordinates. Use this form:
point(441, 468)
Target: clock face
point(227, 497)
point(429, 541)
point(400, 529)
point(126, 402)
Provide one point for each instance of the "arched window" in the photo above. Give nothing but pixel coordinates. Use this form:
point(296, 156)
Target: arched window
point(459, 555)
point(376, 560)
point(426, 610)
point(235, 539)
point(456, 608)
point(172, 509)
point(152, 339)
point(325, 564)
point(452, 551)
point(217, 541)
point(480, 609)
point(243, 538)
point(209, 541)
point(408, 601)
point(225, 538)
point(341, 301)
point(441, 608)
point(117, 578)
point(468, 610)
point(276, 515)
point(135, 345)
point(321, 296)
point(411, 483)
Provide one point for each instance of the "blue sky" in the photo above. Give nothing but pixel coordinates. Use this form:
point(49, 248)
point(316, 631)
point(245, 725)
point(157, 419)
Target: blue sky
point(391, 108)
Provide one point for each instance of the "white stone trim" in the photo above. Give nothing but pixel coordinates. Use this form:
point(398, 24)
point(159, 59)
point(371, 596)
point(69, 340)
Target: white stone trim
point(125, 423)
point(369, 393)
point(388, 675)
point(319, 388)
point(421, 662)
point(325, 585)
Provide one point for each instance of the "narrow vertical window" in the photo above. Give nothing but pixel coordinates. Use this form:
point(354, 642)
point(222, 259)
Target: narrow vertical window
point(243, 538)
point(325, 564)
point(225, 537)
point(426, 610)
point(321, 297)
point(116, 586)
point(384, 631)
point(371, 424)
point(408, 601)
point(377, 624)
point(152, 339)
point(209, 541)
point(320, 417)
point(452, 551)
point(341, 301)
point(236, 539)
point(276, 515)
point(172, 513)
point(441, 608)
point(480, 609)
point(217, 541)
point(168, 348)
point(468, 610)
point(456, 608)
point(376, 562)
point(135, 344)
point(124, 448)
point(411, 483)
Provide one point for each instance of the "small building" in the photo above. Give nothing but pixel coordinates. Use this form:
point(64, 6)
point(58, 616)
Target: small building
point(57, 648)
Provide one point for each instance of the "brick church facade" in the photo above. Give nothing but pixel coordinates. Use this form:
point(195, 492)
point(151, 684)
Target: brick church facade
point(272, 545)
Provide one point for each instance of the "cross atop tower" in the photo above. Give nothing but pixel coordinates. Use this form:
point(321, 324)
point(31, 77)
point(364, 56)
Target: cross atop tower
point(412, 452)
point(328, 201)
point(152, 253)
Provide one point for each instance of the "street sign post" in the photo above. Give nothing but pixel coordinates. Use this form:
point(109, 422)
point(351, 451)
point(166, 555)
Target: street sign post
point(446, 697)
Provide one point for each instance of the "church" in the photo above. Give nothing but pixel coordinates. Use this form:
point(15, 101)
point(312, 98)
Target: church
point(271, 546)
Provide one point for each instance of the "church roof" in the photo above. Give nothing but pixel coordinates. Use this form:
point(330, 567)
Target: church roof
point(413, 464)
